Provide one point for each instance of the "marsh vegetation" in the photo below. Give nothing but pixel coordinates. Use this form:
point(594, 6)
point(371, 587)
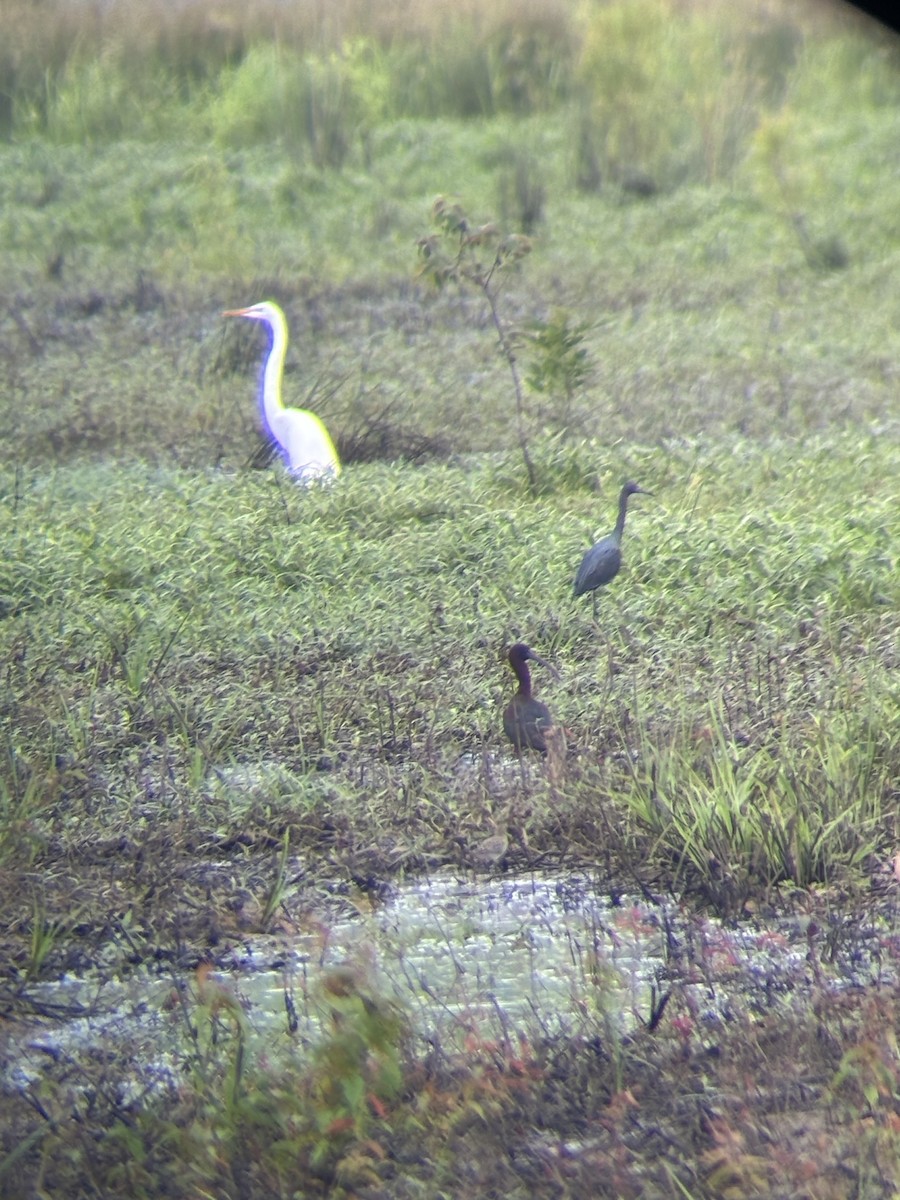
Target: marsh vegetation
point(226, 700)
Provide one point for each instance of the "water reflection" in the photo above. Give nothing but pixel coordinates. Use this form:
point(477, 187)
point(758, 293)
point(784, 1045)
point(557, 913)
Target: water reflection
point(497, 957)
point(460, 953)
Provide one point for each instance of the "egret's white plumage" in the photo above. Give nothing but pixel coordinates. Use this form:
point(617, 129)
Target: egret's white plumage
point(305, 442)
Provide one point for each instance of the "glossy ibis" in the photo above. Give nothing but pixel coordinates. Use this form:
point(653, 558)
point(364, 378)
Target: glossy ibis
point(527, 722)
point(601, 563)
point(305, 443)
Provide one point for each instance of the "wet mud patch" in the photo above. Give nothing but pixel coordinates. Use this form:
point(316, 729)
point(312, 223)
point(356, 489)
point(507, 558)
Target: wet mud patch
point(568, 1036)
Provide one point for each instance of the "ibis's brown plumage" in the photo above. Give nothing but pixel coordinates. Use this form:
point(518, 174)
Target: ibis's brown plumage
point(526, 721)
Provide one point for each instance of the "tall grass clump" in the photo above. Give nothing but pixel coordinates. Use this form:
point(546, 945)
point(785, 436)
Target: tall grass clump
point(841, 91)
point(804, 808)
point(317, 106)
point(25, 796)
point(672, 97)
point(518, 61)
point(105, 72)
point(104, 99)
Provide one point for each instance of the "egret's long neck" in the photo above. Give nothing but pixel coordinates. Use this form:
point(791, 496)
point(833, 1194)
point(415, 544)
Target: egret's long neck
point(272, 372)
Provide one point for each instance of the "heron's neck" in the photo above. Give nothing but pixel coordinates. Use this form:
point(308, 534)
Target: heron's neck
point(620, 520)
point(272, 372)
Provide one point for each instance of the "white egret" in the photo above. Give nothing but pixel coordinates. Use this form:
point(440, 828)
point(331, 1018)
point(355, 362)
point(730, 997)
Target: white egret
point(305, 442)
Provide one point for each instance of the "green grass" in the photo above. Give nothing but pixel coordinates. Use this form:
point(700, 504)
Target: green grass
point(175, 606)
point(203, 663)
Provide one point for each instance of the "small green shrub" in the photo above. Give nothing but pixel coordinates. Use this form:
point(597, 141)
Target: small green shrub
point(479, 257)
point(559, 364)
